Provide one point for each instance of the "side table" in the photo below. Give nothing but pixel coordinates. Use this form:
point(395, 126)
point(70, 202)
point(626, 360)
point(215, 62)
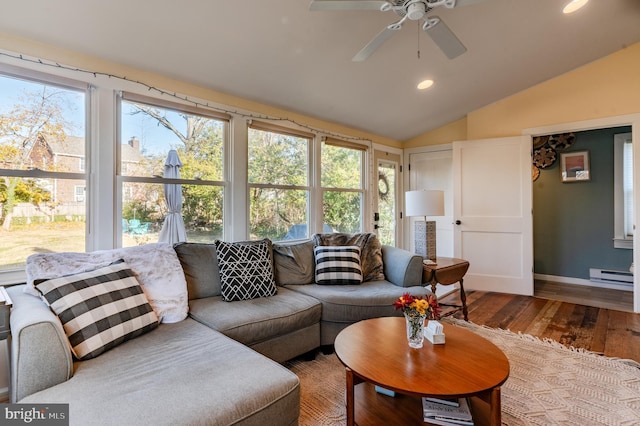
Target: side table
point(447, 271)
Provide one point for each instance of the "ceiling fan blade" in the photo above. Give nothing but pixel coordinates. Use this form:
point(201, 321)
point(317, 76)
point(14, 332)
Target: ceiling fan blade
point(466, 2)
point(371, 47)
point(346, 5)
point(445, 39)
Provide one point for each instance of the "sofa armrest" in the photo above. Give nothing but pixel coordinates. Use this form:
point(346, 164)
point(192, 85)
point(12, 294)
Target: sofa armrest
point(401, 267)
point(40, 353)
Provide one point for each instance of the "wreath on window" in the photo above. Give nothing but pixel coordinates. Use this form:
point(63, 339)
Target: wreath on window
point(383, 186)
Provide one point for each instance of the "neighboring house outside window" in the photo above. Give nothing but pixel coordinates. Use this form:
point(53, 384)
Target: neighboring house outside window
point(151, 129)
point(80, 193)
point(40, 121)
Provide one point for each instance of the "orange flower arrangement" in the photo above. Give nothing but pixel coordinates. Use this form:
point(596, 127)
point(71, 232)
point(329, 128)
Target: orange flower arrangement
point(418, 306)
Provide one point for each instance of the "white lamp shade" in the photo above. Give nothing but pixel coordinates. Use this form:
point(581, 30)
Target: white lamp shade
point(424, 203)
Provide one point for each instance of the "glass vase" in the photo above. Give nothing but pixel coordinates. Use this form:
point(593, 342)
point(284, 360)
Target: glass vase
point(415, 329)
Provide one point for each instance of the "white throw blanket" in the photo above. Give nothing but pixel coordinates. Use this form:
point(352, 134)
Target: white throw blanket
point(156, 267)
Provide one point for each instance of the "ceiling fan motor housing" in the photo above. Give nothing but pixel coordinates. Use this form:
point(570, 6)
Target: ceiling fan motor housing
point(416, 10)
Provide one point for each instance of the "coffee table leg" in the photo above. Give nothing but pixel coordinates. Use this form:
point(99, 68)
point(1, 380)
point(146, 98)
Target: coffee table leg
point(350, 398)
point(496, 408)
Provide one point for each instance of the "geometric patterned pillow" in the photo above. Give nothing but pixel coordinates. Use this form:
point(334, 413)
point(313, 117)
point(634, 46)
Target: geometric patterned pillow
point(99, 309)
point(246, 270)
point(338, 265)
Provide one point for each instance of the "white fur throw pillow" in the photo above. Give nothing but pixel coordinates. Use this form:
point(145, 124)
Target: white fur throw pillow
point(156, 267)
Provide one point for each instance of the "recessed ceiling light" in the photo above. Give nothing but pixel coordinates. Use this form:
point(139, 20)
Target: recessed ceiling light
point(573, 6)
point(425, 84)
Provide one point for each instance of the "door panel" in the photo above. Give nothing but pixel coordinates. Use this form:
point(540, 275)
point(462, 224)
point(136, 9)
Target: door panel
point(492, 201)
point(386, 199)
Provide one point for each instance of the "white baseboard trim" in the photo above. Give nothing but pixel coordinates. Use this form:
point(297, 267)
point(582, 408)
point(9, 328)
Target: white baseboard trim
point(580, 281)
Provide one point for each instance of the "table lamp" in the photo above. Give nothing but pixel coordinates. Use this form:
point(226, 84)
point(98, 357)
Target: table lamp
point(425, 203)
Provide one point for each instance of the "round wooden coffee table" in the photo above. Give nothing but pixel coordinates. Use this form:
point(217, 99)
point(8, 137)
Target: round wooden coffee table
point(467, 365)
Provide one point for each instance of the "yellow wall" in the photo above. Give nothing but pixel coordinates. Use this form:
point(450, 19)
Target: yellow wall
point(605, 88)
point(455, 131)
point(43, 51)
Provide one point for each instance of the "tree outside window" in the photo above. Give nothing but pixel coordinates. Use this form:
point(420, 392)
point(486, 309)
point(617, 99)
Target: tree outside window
point(151, 129)
point(41, 141)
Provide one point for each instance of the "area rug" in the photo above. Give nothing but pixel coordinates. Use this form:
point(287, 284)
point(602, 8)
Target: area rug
point(548, 384)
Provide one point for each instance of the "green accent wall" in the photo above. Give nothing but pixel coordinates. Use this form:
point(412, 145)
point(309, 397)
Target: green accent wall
point(573, 223)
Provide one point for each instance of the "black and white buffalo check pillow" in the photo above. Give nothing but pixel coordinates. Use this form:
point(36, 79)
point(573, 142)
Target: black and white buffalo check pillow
point(338, 265)
point(99, 309)
point(246, 270)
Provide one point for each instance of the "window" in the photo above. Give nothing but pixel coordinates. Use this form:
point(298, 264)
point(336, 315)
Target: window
point(80, 193)
point(342, 185)
point(149, 130)
point(623, 191)
point(42, 135)
point(279, 182)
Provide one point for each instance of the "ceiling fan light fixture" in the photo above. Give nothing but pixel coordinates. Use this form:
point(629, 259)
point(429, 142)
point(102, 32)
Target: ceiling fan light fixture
point(573, 6)
point(416, 10)
point(425, 84)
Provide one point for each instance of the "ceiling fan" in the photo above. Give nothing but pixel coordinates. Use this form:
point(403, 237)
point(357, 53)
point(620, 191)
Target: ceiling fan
point(412, 10)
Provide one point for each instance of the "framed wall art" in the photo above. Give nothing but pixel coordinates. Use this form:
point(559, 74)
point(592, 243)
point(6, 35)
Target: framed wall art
point(575, 166)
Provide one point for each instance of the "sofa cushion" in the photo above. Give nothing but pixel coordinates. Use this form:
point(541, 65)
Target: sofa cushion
point(370, 251)
point(246, 269)
point(351, 303)
point(258, 320)
point(294, 262)
point(178, 374)
point(338, 265)
point(156, 266)
point(200, 266)
point(99, 309)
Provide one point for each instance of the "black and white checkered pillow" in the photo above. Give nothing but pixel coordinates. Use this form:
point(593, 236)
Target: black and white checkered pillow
point(338, 265)
point(246, 270)
point(99, 309)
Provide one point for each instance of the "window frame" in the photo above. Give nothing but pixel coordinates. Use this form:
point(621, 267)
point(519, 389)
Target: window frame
point(18, 275)
point(123, 179)
point(362, 190)
point(309, 188)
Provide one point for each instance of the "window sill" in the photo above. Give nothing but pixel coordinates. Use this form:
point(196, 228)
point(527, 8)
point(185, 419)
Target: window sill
point(16, 276)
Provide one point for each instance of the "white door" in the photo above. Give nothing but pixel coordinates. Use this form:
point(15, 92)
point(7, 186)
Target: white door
point(492, 202)
point(434, 170)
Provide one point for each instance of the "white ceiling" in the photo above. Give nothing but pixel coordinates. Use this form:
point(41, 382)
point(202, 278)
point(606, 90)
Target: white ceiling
point(280, 53)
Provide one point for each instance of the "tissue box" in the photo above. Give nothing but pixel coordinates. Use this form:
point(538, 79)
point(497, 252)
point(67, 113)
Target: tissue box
point(434, 333)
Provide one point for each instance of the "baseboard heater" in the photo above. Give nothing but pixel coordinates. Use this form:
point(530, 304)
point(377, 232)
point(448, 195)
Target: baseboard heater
point(608, 276)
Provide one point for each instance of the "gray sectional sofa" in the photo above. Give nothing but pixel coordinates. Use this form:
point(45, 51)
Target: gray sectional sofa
point(221, 364)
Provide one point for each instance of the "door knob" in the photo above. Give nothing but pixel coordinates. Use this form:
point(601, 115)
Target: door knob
point(457, 222)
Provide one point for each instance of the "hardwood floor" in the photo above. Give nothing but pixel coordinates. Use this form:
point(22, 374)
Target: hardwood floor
point(618, 300)
point(610, 332)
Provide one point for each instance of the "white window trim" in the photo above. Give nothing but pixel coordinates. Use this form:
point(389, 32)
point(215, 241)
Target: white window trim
point(367, 170)
point(621, 238)
point(122, 179)
point(18, 276)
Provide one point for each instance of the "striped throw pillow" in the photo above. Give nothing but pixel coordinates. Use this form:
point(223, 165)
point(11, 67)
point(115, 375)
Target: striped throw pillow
point(338, 265)
point(99, 309)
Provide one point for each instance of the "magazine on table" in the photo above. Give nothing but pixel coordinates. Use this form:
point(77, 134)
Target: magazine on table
point(446, 413)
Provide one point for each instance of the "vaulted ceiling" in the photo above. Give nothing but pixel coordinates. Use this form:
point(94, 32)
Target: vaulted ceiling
point(280, 53)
